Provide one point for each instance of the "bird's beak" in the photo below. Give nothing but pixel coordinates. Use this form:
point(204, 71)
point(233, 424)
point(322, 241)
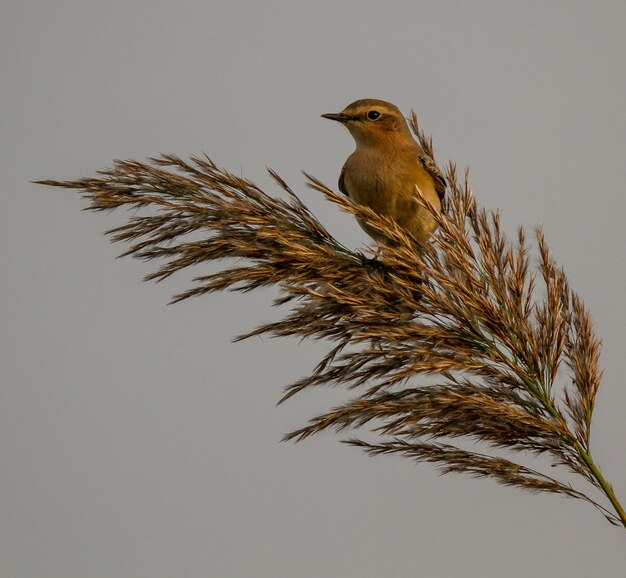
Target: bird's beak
point(339, 117)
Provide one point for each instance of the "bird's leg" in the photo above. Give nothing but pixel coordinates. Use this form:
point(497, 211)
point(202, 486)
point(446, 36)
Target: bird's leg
point(374, 261)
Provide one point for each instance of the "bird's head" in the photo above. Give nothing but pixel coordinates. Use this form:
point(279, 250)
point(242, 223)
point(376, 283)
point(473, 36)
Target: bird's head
point(371, 121)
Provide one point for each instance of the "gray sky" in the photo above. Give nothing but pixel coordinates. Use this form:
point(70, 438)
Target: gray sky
point(135, 439)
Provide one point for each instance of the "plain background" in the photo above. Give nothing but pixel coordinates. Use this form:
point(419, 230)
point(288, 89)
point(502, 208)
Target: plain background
point(135, 438)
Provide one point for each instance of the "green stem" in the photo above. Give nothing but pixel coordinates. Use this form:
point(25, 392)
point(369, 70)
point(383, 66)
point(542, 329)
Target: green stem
point(606, 487)
point(584, 455)
point(595, 472)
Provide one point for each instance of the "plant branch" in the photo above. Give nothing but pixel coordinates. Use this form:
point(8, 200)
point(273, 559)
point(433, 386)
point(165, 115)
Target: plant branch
point(467, 310)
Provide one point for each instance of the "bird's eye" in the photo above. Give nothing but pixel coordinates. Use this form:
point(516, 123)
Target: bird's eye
point(373, 115)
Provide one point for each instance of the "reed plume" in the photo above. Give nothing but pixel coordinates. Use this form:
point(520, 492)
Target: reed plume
point(462, 339)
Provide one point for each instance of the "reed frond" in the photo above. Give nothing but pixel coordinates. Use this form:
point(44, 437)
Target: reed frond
point(468, 310)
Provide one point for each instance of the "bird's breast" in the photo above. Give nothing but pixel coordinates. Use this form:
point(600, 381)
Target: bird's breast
point(386, 184)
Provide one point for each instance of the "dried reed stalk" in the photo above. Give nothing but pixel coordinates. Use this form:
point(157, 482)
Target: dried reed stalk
point(510, 351)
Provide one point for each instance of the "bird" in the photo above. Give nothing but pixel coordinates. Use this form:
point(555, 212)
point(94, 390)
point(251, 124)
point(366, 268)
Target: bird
point(383, 171)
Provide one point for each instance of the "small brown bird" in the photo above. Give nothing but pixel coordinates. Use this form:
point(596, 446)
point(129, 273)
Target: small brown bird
point(386, 166)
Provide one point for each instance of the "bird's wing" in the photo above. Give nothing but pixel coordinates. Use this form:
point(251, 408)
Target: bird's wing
point(342, 182)
point(435, 173)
